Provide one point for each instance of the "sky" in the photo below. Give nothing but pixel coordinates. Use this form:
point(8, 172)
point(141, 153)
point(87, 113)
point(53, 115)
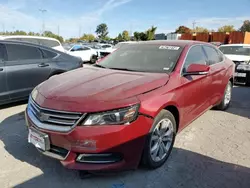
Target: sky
point(71, 18)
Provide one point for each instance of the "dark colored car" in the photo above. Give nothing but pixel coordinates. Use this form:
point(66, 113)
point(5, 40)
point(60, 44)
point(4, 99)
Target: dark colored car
point(129, 106)
point(25, 65)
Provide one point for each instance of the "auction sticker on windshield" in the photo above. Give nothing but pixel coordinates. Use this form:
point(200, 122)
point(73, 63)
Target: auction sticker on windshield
point(169, 47)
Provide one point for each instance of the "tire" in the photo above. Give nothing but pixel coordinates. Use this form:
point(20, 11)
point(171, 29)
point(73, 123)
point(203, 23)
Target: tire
point(93, 59)
point(148, 158)
point(225, 103)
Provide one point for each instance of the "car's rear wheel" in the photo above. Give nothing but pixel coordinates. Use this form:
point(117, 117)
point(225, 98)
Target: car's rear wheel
point(160, 140)
point(226, 100)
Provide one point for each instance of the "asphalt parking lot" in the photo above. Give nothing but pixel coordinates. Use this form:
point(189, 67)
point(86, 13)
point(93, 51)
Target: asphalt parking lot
point(214, 151)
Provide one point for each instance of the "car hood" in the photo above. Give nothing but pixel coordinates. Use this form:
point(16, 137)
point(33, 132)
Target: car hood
point(99, 84)
point(238, 57)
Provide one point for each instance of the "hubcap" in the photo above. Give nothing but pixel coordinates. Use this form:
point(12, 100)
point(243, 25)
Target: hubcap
point(228, 95)
point(161, 140)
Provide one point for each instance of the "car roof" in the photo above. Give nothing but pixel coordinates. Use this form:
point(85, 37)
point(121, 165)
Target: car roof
point(181, 43)
point(26, 36)
point(28, 44)
point(236, 45)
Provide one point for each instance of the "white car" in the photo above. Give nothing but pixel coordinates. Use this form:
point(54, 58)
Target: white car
point(45, 41)
point(240, 55)
point(86, 53)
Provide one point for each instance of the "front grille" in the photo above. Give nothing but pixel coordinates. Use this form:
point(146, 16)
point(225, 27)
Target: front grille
point(53, 119)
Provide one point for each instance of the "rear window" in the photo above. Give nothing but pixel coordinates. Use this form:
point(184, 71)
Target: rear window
point(235, 50)
point(49, 43)
point(144, 58)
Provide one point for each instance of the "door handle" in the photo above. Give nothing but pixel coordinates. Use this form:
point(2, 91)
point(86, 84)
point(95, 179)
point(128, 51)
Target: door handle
point(43, 65)
point(1, 69)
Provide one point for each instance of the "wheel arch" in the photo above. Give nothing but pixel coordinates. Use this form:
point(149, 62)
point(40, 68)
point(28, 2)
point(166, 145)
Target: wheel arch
point(174, 110)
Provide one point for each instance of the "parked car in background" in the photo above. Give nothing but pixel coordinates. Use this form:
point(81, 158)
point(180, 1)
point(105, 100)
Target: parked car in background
point(86, 53)
point(45, 41)
point(25, 65)
point(129, 106)
point(240, 55)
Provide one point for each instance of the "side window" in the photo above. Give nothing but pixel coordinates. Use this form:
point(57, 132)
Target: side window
point(212, 55)
point(221, 56)
point(194, 56)
point(2, 52)
point(48, 54)
point(22, 52)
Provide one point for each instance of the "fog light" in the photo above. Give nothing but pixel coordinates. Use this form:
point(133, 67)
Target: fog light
point(104, 158)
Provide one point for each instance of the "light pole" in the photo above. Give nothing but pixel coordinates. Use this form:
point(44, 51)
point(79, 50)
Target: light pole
point(43, 24)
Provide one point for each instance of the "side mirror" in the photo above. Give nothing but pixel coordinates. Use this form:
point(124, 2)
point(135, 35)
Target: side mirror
point(197, 69)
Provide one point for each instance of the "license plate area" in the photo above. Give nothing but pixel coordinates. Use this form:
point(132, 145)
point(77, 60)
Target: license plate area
point(39, 140)
point(238, 74)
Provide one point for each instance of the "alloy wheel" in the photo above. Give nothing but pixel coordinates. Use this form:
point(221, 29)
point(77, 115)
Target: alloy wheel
point(161, 140)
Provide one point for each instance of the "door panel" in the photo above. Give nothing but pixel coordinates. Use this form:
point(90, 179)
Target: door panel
point(195, 88)
point(24, 74)
point(217, 72)
point(195, 96)
point(4, 95)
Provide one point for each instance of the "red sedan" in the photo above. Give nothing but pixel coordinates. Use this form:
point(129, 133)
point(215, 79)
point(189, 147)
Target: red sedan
point(128, 107)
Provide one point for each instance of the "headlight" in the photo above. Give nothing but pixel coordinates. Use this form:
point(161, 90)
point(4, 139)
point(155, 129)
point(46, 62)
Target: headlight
point(245, 67)
point(121, 116)
point(34, 93)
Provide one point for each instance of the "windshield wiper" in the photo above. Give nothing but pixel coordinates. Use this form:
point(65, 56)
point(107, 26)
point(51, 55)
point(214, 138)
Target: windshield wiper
point(124, 69)
point(98, 65)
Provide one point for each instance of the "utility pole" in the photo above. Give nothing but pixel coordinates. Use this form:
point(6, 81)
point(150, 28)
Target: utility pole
point(194, 23)
point(58, 30)
point(3, 26)
point(43, 24)
point(80, 31)
point(130, 30)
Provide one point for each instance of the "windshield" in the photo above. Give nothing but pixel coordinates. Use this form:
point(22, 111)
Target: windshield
point(235, 50)
point(144, 58)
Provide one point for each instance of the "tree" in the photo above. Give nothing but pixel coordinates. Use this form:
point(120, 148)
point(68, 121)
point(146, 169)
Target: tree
point(125, 35)
point(136, 36)
point(143, 36)
point(151, 33)
point(245, 27)
point(33, 34)
point(120, 38)
point(200, 30)
point(87, 37)
point(102, 30)
point(226, 28)
point(182, 29)
point(52, 35)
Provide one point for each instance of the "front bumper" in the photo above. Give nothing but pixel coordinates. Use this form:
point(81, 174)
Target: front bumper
point(106, 147)
point(242, 73)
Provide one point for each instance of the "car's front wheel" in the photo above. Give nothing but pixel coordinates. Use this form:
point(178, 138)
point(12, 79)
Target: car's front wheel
point(226, 100)
point(160, 140)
